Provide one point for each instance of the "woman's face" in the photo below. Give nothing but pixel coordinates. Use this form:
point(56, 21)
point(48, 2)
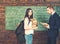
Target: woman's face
point(30, 12)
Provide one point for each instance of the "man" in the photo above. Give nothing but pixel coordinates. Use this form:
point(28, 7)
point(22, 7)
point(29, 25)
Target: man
point(52, 26)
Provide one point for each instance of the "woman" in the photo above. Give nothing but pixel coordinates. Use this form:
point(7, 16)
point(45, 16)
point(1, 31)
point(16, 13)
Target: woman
point(28, 26)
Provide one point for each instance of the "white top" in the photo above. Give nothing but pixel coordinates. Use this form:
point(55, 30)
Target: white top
point(28, 27)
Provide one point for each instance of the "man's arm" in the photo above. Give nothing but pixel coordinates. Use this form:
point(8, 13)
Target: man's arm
point(46, 25)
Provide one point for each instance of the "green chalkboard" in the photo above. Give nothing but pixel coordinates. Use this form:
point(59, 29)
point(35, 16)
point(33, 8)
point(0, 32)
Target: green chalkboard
point(14, 14)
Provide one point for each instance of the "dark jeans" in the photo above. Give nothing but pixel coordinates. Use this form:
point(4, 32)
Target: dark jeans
point(51, 40)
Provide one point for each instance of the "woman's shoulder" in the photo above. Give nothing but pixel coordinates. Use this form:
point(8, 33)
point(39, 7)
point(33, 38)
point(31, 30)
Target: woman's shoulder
point(26, 19)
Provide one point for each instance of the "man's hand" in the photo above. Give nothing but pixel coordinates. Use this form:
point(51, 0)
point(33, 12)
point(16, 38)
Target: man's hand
point(45, 25)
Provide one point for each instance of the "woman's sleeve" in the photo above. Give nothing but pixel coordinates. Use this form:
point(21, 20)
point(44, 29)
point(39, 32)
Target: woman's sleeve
point(26, 23)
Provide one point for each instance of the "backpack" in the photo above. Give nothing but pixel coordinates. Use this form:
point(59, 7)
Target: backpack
point(20, 28)
point(20, 32)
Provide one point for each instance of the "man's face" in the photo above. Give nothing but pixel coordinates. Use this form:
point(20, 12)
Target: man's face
point(49, 10)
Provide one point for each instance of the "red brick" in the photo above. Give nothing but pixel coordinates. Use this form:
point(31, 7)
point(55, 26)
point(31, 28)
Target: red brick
point(52, 0)
point(7, 1)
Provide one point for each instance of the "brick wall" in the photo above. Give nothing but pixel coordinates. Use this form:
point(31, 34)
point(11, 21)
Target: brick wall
point(8, 37)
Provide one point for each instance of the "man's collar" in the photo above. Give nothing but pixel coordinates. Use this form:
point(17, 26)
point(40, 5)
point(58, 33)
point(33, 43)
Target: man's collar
point(53, 12)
